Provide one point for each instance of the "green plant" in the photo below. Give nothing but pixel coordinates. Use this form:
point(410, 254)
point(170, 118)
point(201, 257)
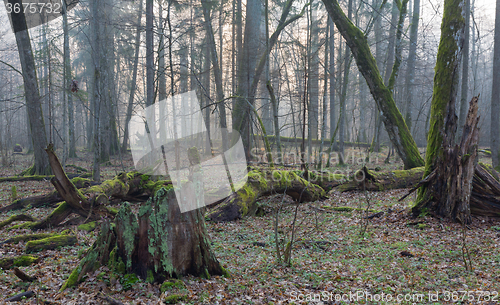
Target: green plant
point(128, 281)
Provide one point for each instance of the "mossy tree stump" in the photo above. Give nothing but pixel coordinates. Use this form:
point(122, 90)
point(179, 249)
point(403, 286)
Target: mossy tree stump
point(158, 243)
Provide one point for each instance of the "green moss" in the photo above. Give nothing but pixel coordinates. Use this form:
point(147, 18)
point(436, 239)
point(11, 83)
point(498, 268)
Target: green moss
point(150, 277)
point(72, 279)
point(26, 225)
point(175, 298)
point(128, 281)
point(127, 219)
point(171, 284)
point(50, 243)
point(206, 274)
point(28, 237)
point(87, 226)
point(112, 210)
point(422, 226)
point(120, 266)
point(257, 176)
point(25, 260)
point(225, 273)
point(80, 181)
point(13, 192)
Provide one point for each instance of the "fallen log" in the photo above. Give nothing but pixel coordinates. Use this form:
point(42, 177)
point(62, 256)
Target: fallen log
point(50, 243)
point(23, 276)
point(21, 296)
point(92, 203)
point(28, 237)
point(18, 261)
point(39, 177)
point(47, 199)
point(382, 181)
point(260, 183)
point(19, 217)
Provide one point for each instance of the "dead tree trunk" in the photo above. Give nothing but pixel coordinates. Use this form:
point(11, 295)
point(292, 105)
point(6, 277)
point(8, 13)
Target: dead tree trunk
point(383, 181)
point(449, 186)
point(159, 242)
point(260, 183)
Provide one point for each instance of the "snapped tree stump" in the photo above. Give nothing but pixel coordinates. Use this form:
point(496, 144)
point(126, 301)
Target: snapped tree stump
point(458, 186)
point(158, 243)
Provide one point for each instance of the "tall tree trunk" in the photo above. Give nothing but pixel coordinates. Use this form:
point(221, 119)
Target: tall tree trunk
point(313, 110)
point(393, 120)
point(412, 54)
point(66, 83)
point(149, 54)
point(332, 76)
point(33, 100)
point(246, 73)
point(217, 73)
point(441, 138)
point(343, 94)
point(465, 72)
point(96, 89)
point(133, 86)
point(495, 94)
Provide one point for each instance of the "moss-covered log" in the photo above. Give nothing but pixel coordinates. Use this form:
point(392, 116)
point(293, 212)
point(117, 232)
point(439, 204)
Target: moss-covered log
point(382, 181)
point(13, 218)
point(91, 203)
point(50, 243)
point(19, 261)
point(260, 183)
point(158, 243)
point(394, 122)
point(28, 237)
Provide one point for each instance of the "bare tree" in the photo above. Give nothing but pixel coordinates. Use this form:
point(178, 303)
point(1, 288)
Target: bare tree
point(32, 95)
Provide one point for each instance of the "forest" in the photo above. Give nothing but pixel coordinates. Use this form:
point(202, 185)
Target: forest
point(249, 152)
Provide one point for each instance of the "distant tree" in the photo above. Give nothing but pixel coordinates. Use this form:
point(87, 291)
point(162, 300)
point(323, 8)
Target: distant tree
point(495, 94)
point(412, 55)
point(31, 92)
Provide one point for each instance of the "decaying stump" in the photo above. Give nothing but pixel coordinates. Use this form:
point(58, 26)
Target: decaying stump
point(447, 190)
point(159, 242)
point(260, 183)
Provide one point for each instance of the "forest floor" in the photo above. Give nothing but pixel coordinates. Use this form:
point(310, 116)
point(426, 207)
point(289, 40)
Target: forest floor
point(398, 259)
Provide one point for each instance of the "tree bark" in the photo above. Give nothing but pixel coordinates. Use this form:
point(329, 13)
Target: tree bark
point(465, 72)
point(32, 94)
point(383, 181)
point(495, 94)
point(450, 200)
point(396, 127)
point(158, 243)
point(412, 55)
